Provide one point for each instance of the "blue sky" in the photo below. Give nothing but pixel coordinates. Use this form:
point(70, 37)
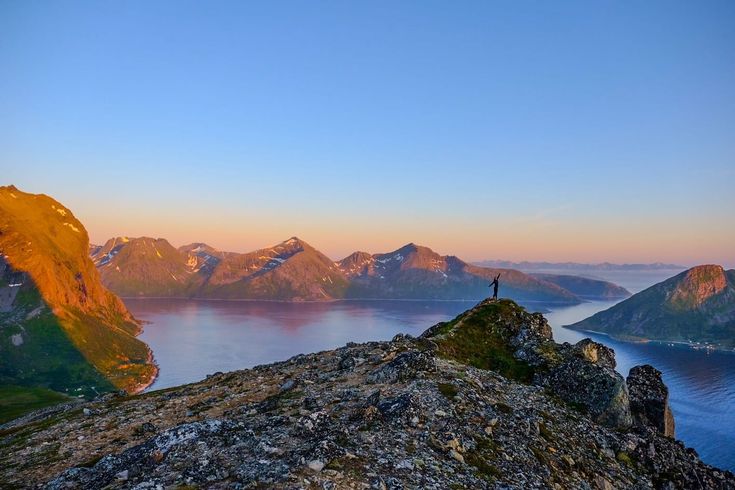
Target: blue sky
point(521, 130)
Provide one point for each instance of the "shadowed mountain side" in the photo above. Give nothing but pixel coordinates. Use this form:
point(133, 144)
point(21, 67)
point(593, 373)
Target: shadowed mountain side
point(36, 349)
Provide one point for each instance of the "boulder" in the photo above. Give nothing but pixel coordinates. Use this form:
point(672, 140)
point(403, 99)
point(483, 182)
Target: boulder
point(649, 400)
point(404, 366)
point(599, 390)
point(596, 353)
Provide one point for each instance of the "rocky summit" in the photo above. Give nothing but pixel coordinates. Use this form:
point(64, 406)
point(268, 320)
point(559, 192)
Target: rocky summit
point(487, 400)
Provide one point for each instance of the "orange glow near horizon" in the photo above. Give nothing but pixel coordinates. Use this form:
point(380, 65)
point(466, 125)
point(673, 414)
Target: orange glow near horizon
point(618, 241)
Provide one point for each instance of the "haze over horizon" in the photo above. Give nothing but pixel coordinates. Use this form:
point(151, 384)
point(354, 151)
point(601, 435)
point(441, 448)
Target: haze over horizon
point(577, 132)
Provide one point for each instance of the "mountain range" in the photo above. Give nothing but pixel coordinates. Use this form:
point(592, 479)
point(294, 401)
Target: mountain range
point(60, 328)
point(293, 270)
point(696, 306)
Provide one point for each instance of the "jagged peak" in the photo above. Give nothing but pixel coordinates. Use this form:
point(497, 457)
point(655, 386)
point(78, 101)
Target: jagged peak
point(293, 241)
point(357, 256)
point(196, 247)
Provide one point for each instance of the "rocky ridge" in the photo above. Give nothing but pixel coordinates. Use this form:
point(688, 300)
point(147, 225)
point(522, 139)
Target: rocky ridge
point(446, 410)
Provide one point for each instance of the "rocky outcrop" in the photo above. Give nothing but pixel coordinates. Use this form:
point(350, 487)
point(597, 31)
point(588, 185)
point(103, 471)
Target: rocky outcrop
point(597, 389)
point(397, 414)
point(649, 400)
point(582, 374)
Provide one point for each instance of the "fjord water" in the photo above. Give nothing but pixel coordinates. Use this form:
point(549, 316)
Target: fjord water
point(193, 338)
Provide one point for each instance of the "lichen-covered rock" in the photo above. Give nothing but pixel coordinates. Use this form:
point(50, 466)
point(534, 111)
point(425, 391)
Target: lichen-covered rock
point(649, 399)
point(403, 366)
point(599, 390)
point(596, 353)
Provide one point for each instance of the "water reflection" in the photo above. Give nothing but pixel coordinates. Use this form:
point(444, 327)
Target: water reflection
point(193, 338)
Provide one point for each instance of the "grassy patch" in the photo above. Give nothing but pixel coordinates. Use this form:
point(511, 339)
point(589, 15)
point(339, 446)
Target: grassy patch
point(545, 432)
point(448, 390)
point(16, 401)
point(480, 338)
point(90, 462)
point(352, 466)
point(484, 469)
point(624, 458)
point(503, 408)
point(49, 359)
point(540, 455)
point(479, 458)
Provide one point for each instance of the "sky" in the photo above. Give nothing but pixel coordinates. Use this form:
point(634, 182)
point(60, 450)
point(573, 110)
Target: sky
point(526, 130)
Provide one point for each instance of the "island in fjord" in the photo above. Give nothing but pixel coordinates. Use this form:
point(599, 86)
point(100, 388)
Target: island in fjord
point(695, 307)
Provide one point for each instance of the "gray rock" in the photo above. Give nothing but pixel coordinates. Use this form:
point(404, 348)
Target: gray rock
point(649, 400)
point(338, 431)
point(406, 365)
point(600, 390)
point(596, 353)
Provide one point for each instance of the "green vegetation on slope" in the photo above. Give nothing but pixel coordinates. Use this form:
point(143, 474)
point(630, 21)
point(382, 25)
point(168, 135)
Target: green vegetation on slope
point(479, 337)
point(16, 401)
point(47, 358)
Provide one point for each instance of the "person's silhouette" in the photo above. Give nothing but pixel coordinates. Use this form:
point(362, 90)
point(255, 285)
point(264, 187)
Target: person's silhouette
point(494, 285)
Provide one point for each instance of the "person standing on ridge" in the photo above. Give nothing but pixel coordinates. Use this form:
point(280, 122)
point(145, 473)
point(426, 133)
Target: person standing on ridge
point(495, 285)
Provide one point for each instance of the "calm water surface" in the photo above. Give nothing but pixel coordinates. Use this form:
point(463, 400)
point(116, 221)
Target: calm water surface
point(193, 338)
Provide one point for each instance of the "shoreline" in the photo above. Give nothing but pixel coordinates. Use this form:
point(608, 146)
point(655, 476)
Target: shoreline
point(642, 340)
point(141, 387)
